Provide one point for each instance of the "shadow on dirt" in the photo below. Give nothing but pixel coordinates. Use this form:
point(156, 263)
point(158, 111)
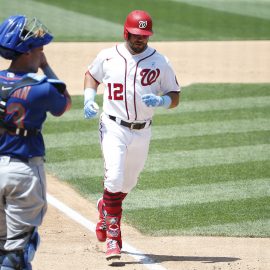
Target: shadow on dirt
point(152, 258)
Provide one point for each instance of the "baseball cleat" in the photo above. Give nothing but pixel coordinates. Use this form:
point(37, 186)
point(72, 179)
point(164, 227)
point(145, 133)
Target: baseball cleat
point(101, 227)
point(113, 250)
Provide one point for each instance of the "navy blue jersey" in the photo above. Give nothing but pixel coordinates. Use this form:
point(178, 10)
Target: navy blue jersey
point(27, 108)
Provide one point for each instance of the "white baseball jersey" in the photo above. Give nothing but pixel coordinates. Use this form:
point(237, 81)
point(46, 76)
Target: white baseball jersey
point(127, 77)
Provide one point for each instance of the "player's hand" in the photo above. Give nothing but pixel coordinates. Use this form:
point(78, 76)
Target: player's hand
point(90, 109)
point(152, 100)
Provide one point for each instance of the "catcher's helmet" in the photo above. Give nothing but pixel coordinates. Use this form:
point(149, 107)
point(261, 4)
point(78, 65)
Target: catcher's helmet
point(138, 22)
point(18, 35)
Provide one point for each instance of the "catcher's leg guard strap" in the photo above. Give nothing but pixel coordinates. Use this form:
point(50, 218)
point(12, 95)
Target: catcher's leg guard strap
point(14, 260)
point(2, 256)
point(21, 259)
point(31, 247)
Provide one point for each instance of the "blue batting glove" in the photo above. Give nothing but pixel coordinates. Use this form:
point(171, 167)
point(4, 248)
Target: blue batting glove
point(90, 109)
point(152, 100)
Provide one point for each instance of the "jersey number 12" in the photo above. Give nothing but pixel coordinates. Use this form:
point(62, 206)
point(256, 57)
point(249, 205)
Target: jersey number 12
point(115, 91)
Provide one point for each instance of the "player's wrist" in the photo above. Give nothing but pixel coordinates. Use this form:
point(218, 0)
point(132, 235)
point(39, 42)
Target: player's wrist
point(89, 94)
point(166, 101)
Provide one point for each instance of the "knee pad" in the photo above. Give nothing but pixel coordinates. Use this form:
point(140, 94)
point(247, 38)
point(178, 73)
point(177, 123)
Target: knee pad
point(31, 247)
point(14, 260)
point(2, 256)
point(21, 259)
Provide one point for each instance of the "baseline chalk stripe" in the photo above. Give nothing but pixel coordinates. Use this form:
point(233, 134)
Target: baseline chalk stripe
point(71, 213)
point(133, 252)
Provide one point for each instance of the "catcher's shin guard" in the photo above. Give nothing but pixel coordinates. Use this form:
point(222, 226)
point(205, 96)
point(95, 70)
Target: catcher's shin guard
point(2, 256)
point(21, 259)
point(14, 260)
point(101, 225)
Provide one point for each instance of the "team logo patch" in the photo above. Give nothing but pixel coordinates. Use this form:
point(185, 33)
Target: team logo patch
point(149, 76)
point(142, 24)
point(113, 230)
point(10, 75)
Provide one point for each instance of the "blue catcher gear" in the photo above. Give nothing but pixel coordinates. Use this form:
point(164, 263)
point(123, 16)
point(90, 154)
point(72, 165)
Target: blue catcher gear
point(21, 259)
point(19, 35)
point(2, 256)
point(14, 261)
point(31, 247)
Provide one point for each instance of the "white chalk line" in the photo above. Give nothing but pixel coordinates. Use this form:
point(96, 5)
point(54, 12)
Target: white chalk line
point(133, 252)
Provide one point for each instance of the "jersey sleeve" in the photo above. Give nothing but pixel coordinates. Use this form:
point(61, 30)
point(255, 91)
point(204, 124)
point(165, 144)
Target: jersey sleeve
point(169, 81)
point(96, 67)
point(57, 102)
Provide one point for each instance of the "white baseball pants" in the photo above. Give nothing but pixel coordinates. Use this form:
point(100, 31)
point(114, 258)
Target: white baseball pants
point(125, 152)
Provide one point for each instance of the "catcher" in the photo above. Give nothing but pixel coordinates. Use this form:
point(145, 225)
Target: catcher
point(25, 99)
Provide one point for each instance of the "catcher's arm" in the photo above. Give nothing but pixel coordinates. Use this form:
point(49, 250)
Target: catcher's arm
point(61, 87)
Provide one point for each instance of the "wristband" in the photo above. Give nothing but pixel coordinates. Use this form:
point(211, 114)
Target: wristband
point(89, 94)
point(167, 101)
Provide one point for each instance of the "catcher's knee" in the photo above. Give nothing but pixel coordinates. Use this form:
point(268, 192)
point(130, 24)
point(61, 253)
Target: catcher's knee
point(21, 259)
point(2, 256)
point(14, 260)
point(32, 246)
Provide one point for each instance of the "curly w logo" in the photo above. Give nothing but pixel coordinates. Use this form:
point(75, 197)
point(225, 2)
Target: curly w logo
point(142, 24)
point(149, 76)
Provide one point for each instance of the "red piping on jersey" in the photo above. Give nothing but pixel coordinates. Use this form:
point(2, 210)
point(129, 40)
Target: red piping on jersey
point(134, 83)
point(125, 81)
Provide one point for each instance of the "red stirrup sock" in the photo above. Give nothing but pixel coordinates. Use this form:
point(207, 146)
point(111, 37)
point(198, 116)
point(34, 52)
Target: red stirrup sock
point(113, 208)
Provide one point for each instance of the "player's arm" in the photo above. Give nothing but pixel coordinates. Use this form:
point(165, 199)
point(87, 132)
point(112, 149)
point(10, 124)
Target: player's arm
point(90, 82)
point(168, 101)
point(90, 91)
point(175, 97)
point(45, 67)
point(47, 70)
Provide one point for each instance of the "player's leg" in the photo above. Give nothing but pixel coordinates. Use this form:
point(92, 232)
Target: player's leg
point(21, 258)
point(114, 156)
point(114, 140)
point(3, 231)
point(26, 191)
point(136, 157)
point(113, 208)
point(3, 228)
point(101, 224)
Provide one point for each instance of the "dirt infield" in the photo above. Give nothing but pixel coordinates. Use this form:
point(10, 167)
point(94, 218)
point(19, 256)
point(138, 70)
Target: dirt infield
point(68, 245)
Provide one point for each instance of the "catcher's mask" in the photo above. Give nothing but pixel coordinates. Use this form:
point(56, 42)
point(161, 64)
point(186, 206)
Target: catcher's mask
point(138, 22)
point(19, 35)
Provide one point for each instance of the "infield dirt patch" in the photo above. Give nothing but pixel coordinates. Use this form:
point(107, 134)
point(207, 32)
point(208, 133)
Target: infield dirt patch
point(67, 245)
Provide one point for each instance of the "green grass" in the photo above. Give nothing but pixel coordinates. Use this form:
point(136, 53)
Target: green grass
point(92, 20)
point(208, 171)
point(202, 215)
point(254, 8)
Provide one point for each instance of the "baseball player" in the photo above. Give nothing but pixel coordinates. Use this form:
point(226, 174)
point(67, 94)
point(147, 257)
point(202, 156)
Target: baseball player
point(25, 99)
point(137, 79)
